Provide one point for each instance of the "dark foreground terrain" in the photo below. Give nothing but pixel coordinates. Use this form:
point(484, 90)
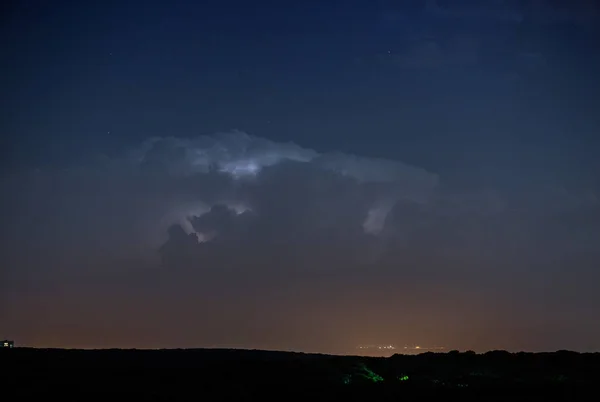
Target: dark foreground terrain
point(253, 375)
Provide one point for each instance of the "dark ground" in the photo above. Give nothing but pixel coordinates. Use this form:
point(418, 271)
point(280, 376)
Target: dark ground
point(202, 374)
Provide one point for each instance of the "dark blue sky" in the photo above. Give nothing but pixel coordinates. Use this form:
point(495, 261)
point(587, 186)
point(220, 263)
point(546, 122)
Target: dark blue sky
point(498, 100)
point(468, 87)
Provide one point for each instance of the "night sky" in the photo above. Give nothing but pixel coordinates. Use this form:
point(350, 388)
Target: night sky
point(300, 175)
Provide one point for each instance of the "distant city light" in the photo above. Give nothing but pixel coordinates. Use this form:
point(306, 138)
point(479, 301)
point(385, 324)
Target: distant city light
point(376, 348)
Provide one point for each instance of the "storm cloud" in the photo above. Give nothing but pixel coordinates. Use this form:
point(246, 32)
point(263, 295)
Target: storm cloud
point(177, 217)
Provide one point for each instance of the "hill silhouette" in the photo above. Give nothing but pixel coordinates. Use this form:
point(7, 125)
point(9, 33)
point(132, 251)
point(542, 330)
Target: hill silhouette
point(176, 374)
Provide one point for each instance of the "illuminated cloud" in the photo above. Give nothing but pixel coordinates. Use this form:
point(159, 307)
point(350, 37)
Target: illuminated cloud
point(241, 156)
point(376, 217)
point(235, 153)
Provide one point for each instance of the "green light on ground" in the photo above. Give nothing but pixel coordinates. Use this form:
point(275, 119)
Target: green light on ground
point(403, 378)
point(370, 374)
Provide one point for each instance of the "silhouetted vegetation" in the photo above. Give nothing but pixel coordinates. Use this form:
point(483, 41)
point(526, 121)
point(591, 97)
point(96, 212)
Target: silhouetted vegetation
point(198, 373)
